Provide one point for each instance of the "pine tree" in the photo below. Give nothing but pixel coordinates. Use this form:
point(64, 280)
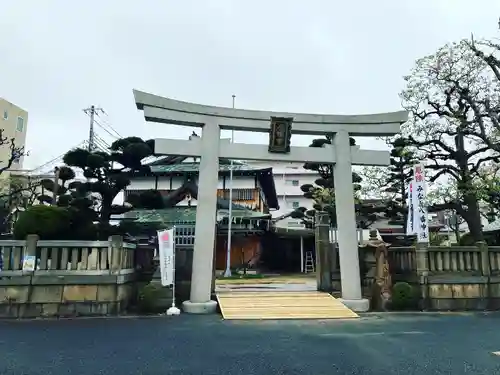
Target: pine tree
point(323, 194)
point(400, 174)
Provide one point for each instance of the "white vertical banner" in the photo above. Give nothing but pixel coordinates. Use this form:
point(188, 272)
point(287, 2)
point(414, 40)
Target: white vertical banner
point(410, 220)
point(420, 204)
point(166, 248)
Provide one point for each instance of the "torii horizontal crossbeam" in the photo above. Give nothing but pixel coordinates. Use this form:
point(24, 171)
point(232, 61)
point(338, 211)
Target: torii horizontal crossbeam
point(242, 151)
point(165, 110)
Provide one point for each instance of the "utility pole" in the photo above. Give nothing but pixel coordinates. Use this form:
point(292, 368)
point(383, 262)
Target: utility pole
point(227, 272)
point(91, 112)
point(56, 186)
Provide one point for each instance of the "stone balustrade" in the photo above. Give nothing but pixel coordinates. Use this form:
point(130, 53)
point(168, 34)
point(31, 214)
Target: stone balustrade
point(71, 278)
point(446, 278)
point(442, 260)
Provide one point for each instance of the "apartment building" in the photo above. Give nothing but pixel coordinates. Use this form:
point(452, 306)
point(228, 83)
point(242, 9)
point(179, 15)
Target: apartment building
point(288, 178)
point(14, 123)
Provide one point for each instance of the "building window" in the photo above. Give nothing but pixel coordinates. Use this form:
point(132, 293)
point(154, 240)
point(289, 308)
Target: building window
point(5, 115)
point(239, 194)
point(295, 182)
point(295, 204)
point(20, 124)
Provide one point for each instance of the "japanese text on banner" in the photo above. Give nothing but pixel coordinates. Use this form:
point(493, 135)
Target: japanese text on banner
point(166, 248)
point(420, 204)
point(410, 220)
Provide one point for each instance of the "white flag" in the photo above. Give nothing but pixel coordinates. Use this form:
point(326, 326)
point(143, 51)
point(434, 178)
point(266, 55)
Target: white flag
point(420, 204)
point(410, 220)
point(166, 248)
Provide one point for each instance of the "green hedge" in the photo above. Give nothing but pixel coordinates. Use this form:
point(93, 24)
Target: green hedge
point(61, 223)
point(48, 222)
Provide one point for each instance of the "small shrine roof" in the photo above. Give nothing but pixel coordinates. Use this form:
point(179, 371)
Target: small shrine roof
point(175, 164)
point(187, 215)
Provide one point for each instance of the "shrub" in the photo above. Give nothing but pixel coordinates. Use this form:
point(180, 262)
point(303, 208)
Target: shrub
point(489, 237)
point(149, 298)
point(403, 297)
point(466, 240)
point(48, 222)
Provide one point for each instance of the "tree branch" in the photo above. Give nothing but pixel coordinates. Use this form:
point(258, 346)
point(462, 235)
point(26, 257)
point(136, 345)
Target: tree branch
point(15, 152)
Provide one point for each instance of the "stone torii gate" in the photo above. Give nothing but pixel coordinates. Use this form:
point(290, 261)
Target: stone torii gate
point(210, 148)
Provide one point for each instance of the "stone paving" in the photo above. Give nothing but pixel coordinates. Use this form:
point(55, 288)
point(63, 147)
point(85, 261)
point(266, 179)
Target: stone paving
point(409, 344)
point(304, 286)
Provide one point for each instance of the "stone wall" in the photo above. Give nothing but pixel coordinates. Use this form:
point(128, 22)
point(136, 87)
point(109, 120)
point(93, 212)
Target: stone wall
point(72, 278)
point(445, 278)
point(32, 301)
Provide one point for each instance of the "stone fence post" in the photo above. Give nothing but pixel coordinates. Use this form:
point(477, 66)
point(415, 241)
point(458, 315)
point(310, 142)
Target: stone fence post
point(31, 241)
point(323, 252)
point(485, 258)
point(485, 267)
point(30, 248)
point(115, 251)
point(422, 258)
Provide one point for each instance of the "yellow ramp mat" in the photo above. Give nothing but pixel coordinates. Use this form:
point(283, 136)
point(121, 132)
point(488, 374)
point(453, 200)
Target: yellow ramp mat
point(282, 305)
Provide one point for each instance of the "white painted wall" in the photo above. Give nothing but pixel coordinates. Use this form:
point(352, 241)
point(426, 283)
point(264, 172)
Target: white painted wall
point(288, 178)
point(145, 183)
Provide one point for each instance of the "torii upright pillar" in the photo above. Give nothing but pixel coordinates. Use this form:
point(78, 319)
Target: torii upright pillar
point(346, 225)
point(206, 220)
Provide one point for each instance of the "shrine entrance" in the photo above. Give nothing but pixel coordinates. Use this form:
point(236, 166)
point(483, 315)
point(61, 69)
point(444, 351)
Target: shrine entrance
point(280, 127)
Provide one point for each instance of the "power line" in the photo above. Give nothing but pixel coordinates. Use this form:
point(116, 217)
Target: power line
point(58, 158)
point(106, 123)
point(101, 145)
point(94, 142)
point(106, 130)
point(102, 141)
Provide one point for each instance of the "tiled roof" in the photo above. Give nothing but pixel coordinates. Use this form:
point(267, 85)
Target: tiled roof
point(176, 215)
point(194, 167)
point(169, 160)
point(184, 215)
point(491, 227)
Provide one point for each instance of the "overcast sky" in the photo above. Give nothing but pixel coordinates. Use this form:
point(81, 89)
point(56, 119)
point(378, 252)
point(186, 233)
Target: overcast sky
point(58, 57)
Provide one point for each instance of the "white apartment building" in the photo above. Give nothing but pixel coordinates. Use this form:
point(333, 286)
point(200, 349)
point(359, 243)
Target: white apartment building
point(14, 123)
point(288, 178)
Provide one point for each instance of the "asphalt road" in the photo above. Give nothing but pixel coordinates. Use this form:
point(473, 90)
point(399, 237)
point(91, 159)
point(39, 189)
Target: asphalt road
point(199, 345)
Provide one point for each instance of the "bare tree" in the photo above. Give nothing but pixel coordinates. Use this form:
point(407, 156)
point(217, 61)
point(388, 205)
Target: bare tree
point(14, 154)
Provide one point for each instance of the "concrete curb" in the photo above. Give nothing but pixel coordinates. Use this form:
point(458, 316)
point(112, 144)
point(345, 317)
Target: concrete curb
point(163, 315)
point(361, 316)
point(403, 313)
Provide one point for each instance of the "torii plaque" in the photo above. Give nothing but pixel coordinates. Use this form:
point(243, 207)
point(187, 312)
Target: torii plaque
point(280, 135)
